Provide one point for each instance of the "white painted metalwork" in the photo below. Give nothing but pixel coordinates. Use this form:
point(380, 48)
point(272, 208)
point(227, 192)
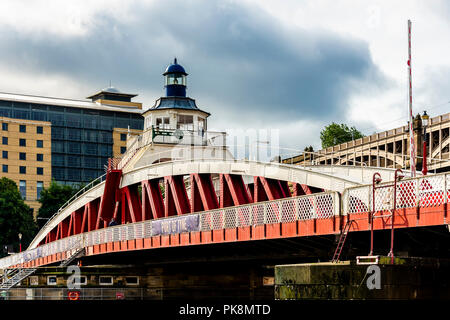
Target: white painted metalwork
point(425, 191)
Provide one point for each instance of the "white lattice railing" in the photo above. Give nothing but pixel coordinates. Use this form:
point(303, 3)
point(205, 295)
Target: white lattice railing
point(317, 206)
point(427, 191)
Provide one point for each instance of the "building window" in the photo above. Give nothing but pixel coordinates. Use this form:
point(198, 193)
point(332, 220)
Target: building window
point(51, 280)
point(5, 168)
point(39, 187)
point(185, 122)
point(34, 281)
point(162, 122)
point(22, 142)
point(133, 281)
point(81, 280)
point(40, 143)
point(4, 140)
point(4, 126)
point(22, 128)
point(5, 154)
point(23, 189)
point(123, 150)
point(22, 156)
point(39, 130)
point(105, 280)
point(39, 157)
point(123, 137)
point(23, 170)
point(39, 171)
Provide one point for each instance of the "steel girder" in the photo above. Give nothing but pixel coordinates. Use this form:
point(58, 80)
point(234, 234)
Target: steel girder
point(147, 200)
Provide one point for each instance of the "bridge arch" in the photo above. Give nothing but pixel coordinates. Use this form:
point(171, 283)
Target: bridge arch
point(271, 171)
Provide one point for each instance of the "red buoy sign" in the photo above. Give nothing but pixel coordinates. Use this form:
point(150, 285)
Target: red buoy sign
point(73, 295)
point(120, 296)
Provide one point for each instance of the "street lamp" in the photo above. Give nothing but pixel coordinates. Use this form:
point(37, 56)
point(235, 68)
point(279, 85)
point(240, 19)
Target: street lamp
point(425, 118)
point(20, 242)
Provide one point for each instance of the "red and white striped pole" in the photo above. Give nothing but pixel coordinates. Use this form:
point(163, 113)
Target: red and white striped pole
point(412, 147)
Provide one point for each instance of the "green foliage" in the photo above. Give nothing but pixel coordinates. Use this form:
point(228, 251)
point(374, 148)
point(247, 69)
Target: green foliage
point(334, 134)
point(52, 199)
point(15, 217)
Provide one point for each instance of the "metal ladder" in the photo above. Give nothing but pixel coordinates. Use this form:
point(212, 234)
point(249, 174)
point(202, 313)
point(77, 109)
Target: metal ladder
point(341, 243)
point(79, 253)
point(14, 276)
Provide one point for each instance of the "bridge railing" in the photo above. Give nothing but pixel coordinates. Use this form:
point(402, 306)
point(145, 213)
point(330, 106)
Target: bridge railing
point(422, 192)
point(77, 195)
point(317, 206)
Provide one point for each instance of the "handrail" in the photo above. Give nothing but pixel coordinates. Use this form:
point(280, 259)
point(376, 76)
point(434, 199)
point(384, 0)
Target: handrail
point(272, 211)
point(85, 189)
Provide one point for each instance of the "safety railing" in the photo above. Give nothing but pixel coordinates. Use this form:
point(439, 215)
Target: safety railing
point(316, 206)
point(77, 195)
point(425, 191)
point(83, 293)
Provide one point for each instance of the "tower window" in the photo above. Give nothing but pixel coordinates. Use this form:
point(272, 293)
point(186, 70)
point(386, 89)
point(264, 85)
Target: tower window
point(162, 122)
point(22, 128)
point(5, 168)
point(22, 170)
point(123, 150)
point(123, 137)
point(39, 130)
point(4, 140)
point(22, 156)
point(5, 154)
point(4, 126)
point(39, 171)
point(185, 122)
point(39, 157)
point(39, 143)
point(22, 142)
point(176, 78)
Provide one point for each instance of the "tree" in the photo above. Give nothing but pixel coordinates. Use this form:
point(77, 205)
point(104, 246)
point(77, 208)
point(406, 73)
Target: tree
point(15, 217)
point(334, 134)
point(52, 199)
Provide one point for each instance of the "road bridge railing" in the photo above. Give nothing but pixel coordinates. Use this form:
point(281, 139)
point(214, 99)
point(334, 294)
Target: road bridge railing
point(319, 206)
point(419, 201)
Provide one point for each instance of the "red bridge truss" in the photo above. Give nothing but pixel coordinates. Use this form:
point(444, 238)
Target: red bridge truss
point(164, 206)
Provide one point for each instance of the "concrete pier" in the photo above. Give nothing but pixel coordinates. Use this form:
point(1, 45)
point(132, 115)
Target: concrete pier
point(407, 278)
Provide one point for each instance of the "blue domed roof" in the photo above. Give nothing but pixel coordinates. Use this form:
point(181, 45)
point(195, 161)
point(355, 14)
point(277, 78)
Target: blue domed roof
point(175, 68)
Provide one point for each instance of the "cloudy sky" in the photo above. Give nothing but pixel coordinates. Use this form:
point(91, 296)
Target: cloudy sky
point(292, 66)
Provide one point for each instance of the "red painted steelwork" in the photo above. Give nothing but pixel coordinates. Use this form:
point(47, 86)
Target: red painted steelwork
point(273, 189)
point(152, 200)
point(107, 203)
point(203, 195)
point(233, 191)
point(176, 198)
point(131, 205)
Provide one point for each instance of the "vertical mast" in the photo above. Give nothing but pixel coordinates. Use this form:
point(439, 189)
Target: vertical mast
point(412, 147)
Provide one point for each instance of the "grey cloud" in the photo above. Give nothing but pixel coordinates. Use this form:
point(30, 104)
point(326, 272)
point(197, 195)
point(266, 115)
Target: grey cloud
point(236, 55)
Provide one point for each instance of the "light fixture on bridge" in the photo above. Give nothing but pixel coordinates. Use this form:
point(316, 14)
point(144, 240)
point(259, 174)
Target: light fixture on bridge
point(425, 118)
